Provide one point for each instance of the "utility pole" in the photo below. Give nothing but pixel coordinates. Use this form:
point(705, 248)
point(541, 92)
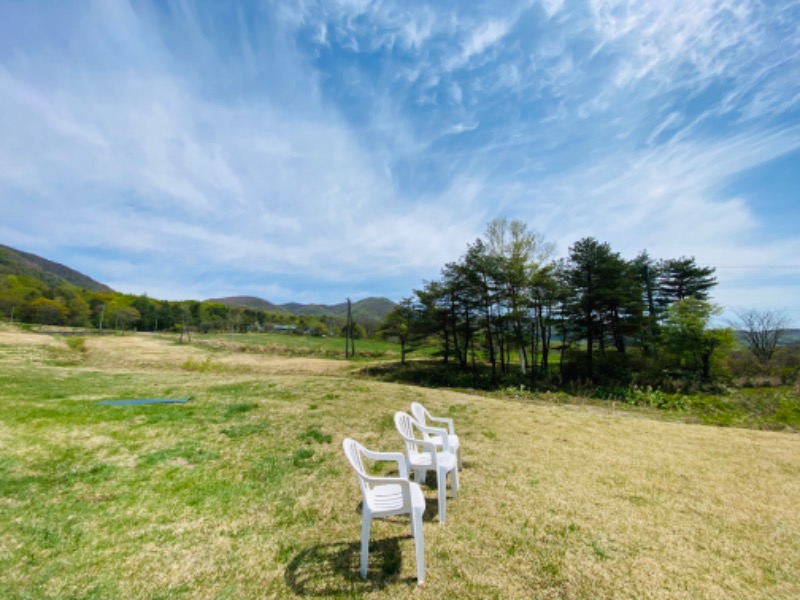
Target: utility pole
point(349, 339)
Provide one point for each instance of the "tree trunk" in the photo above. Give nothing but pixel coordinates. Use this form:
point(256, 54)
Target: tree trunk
point(546, 333)
point(489, 340)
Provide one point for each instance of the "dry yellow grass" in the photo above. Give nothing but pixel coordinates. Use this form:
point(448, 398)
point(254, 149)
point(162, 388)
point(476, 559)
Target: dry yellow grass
point(556, 501)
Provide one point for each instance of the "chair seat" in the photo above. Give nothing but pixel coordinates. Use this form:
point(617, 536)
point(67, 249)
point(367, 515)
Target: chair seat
point(444, 460)
point(388, 499)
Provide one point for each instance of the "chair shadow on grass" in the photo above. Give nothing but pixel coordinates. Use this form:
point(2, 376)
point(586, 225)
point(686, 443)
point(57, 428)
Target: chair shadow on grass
point(332, 569)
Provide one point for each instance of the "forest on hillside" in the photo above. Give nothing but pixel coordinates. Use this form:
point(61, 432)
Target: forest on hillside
point(36, 290)
point(26, 299)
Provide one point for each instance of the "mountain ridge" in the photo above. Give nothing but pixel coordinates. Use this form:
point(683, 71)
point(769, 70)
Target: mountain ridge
point(17, 262)
point(374, 307)
point(53, 274)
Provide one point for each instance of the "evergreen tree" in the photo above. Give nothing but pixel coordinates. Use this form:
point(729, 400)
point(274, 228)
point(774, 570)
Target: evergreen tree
point(604, 301)
point(681, 278)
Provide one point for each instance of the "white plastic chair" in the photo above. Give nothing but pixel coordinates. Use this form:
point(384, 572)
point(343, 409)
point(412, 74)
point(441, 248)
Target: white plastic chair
point(385, 496)
point(422, 415)
point(422, 455)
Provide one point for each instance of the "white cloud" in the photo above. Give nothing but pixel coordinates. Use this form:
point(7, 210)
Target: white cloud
point(417, 29)
point(552, 7)
point(478, 41)
point(669, 201)
point(462, 127)
point(455, 93)
point(688, 44)
point(484, 37)
point(321, 36)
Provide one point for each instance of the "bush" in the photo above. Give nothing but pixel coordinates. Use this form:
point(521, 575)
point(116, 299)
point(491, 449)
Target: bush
point(645, 396)
point(77, 344)
point(788, 375)
point(200, 366)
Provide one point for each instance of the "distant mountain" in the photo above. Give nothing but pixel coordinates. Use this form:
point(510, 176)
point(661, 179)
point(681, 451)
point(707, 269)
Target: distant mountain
point(366, 309)
point(250, 302)
point(16, 262)
point(371, 308)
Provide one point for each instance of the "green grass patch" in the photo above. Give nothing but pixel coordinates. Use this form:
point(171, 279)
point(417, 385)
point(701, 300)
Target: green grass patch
point(233, 410)
point(240, 431)
point(190, 452)
point(313, 434)
point(288, 344)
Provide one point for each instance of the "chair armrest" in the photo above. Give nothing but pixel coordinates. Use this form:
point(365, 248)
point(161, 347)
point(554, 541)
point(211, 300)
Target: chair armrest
point(446, 420)
point(441, 432)
point(397, 457)
point(433, 430)
point(373, 455)
point(429, 446)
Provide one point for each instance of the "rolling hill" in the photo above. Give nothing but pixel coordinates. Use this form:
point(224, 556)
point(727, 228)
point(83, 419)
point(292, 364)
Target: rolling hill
point(16, 262)
point(366, 309)
point(249, 302)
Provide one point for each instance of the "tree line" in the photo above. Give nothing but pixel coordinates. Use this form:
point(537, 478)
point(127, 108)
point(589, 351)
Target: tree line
point(508, 308)
point(27, 299)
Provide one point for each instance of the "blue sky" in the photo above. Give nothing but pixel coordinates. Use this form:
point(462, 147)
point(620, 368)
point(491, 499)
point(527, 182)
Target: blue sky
point(313, 151)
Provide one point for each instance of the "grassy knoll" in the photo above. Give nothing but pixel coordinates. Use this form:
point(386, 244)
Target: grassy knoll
point(243, 492)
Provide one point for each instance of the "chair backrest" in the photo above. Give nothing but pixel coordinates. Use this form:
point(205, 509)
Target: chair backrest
point(353, 451)
point(405, 424)
point(420, 413)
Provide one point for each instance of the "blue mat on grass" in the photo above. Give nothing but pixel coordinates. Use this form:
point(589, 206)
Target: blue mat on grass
point(143, 401)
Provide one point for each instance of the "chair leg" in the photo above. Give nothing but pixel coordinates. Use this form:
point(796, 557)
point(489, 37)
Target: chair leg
point(366, 518)
point(419, 545)
point(441, 481)
point(458, 457)
point(454, 482)
point(420, 475)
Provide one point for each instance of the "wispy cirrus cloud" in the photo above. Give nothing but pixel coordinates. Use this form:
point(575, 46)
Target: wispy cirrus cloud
point(358, 143)
point(478, 41)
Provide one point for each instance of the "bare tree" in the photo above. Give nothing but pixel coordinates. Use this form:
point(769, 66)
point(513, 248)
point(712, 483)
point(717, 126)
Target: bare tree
point(762, 330)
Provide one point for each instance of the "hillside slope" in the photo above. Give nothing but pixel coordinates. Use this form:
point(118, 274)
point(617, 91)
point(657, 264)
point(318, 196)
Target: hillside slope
point(16, 262)
point(249, 302)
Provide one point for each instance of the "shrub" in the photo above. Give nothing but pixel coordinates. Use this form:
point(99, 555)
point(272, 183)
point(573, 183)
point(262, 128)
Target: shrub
point(645, 396)
point(201, 366)
point(78, 344)
point(788, 375)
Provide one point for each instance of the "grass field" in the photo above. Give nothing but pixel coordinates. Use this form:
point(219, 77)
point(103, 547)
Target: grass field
point(243, 492)
point(287, 344)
